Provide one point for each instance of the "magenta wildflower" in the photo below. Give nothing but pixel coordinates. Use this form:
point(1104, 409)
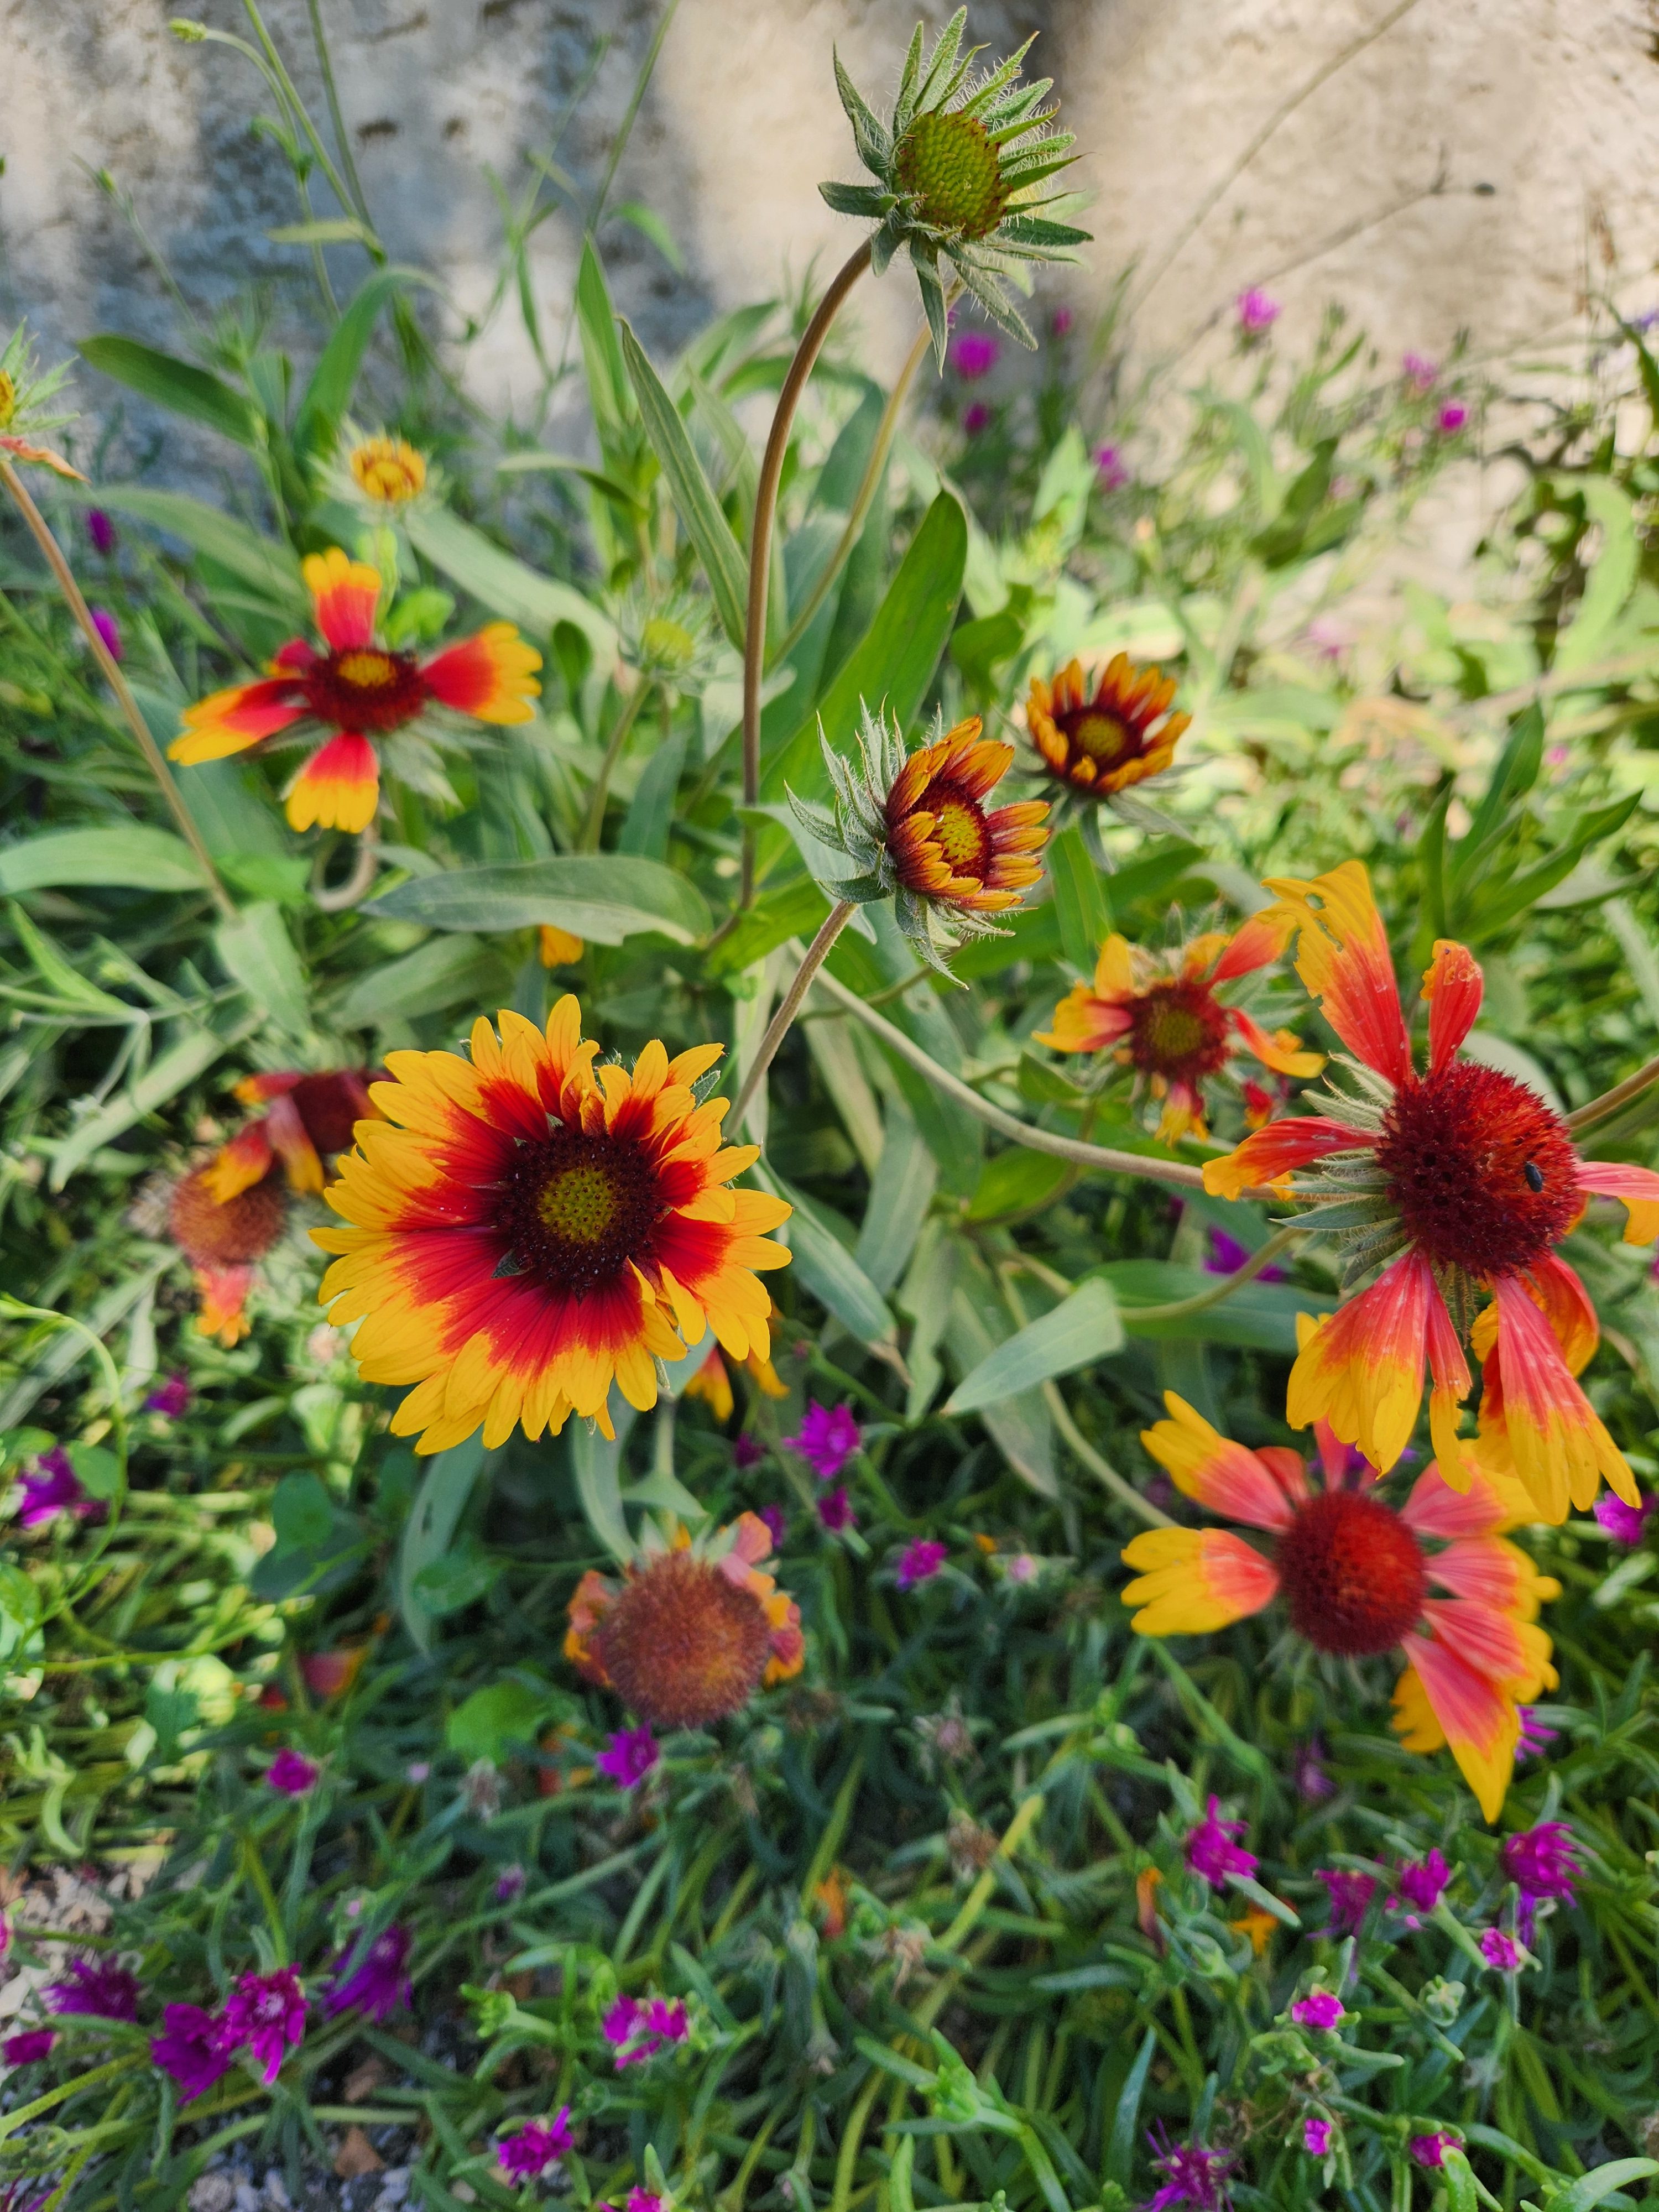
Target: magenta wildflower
point(509, 1884)
point(266, 2013)
point(975, 417)
point(829, 1436)
point(1110, 467)
point(974, 354)
point(98, 1987)
point(776, 1526)
point(291, 1772)
point(195, 2049)
point(1319, 2008)
point(1625, 1524)
point(1257, 312)
point(1543, 1863)
point(1534, 1739)
point(643, 2200)
point(1308, 1776)
point(1430, 2150)
point(1020, 1567)
point(53, 1487)
point(378, 1983)
point(1422, 1882)
point(1061, 322)
point(1453, 417)
point(526, 2155)
point(1350, 1895)
point(1501, 1952)
point(1316, 2137)
point(637, 2029)
point(835, 1509)
point(1214, 1848)
point(171, 1397)
point(629, 1757)
point(23, 2049)
point(1191, 2174)
point(748, 1451)
point(1421, 374)
point(100, 530)
point(922, 1561)
point(1227, 1256)
point(109, 629)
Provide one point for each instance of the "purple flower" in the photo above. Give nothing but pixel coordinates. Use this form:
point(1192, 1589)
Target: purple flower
point(641, 2200)
point(378, 1983)
point(1421, 374)
point(1624, 1523)
point(1308, 1776)
point(1228, 1255)
point(1257, 312)
point(1319, 2008)
point(974, 354)
point(109, 629)
point(748, 1451)
point(629, 1757)
point(1422, 1882)
point(1350, 1895)
point(922, 1561)
point(509, 1884)
point(100, 530)
point(1061, 322)
point(53, 1487)
point(196, 2048)
point(1452, 417)
point(291, 1772)
point(1542, 1862)
point(266, 2012)
point(527, 2155)
point(776, 1524)
point(1316, 2137)
point(829, 1436)
point(1430, 2150)
point(1501, 1952)
point(1212, 1849)
point(1020, 1567)
point(1535, 1738)
point(835, 1509)
point(171, 1398)
point(97, 1986)
point(23, 2050)
point(1111, 468)
point(1191, 2175)
point(975, 417)
point(638, 2028)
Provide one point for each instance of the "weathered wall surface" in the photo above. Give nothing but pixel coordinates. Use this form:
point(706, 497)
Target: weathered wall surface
point(1539, 120)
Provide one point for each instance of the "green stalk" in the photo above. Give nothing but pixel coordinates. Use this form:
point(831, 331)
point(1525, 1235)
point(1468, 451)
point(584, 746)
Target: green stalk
point(595, 823)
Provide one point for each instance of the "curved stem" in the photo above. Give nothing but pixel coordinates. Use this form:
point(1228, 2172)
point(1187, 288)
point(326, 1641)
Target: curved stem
point(814, 957)
point(594, 827)
point(356, 885)
point(1175, 1172)
point(760, 537)
point(41, 532)
point(1178, 1308)
point(886, 429)
point(1121, 1487)
point(1598, 1109)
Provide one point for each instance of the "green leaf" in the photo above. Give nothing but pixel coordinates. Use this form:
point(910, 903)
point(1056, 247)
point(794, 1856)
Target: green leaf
point(301, 1512)
point(97, 1472)
point(651, 811)
point(1020, 1427)
point(1014, 1180)
point(1147, 877)
point(333, 380)
point(502, 583)
point(604, 898)
point(1262, 1315)
point(457, 1579)
point(830, 1272)
point(1611, 578)
point(500, 1714)
point(1081, 1329)
point(602, 360)
point(163, 1079)
point(1120, 2152)
point(896, 660)
point(1459, 2181)
point(431, 1525)
point(1080, 899)
point(271, 571)
point(257, 951)
point(1590, 2189)
point(650, 224)
point(694, 498)
point(596, 1463)
point(19, 1608)
point(435, 975)
point(179, 385)
point(131, 858)
point(795, 910)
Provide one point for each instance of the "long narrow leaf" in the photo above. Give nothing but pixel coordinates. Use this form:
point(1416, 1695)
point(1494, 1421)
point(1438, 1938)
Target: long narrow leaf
point(694, 499)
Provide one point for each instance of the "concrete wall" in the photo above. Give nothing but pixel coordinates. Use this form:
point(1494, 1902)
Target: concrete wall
point(1539, 118)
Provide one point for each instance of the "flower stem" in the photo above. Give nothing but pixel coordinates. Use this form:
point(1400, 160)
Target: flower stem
point(337, 899)
point(814, 957)
point(1104, 1472)
point(1175, 1172)
point(760, 537)
point(60, 568)
point(1178, 1308)
point(595, 824)
point(1598, 1109)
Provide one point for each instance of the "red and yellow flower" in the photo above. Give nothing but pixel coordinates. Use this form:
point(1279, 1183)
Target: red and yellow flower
point(713, 1383)
point(692, 1631)
point(527, 1229)
point(224, 1240)
point(1162, 1015)
point(1097, 738)
point(1459, 1182)
point(1356, 1576)
point(360, 690)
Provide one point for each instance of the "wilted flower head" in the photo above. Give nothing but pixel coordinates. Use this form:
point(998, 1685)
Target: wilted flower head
point(637, 2029)
point(958, 168)
point(1418, 373)
point(1319, 2008)
point(922, 1561)
point(1214, 1850)
point(98, 1986)
point(195, 2047)
point(629, 1757)
point(509, 1884)
point(482, 1789)
point(526, 2155)
point(1191, 2174)
point(373, 1976)
point(1309, 1778)
point(835, 1509)
point(913, 828)
point(1350, 1895)
point(291, 1772)
point(266, 2013)
point(828, 1437)
point(223, 1241)
point(27, 404)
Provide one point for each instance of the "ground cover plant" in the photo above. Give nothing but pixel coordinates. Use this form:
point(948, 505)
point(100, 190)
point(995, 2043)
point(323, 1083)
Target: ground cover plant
point(703, 1655)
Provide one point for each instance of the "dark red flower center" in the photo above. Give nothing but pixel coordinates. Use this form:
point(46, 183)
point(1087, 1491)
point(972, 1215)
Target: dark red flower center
point(1483, 1172)
point(577, 1208)
point(959, 828)
point(363, 688)
point(1353, 1574)
point(683, 1646)
point(232, 1235)
point(1179, 1032)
